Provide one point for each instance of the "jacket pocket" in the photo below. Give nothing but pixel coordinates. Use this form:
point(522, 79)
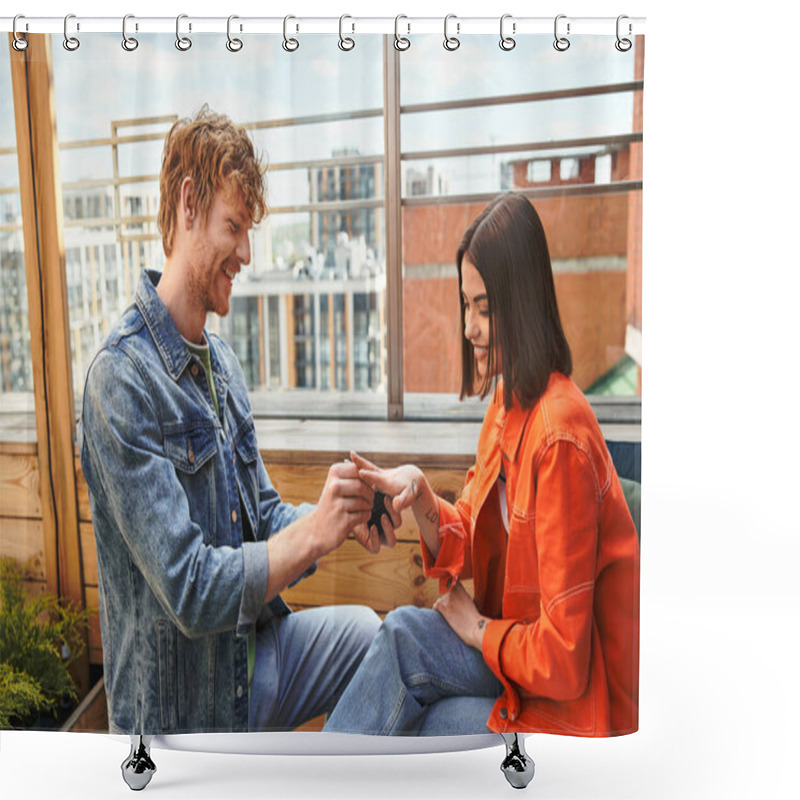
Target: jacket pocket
point(246, 455)
point(190, 446)
point(522, 558)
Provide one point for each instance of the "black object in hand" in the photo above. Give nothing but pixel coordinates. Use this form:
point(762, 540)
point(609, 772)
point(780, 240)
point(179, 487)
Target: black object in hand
point(378, 510)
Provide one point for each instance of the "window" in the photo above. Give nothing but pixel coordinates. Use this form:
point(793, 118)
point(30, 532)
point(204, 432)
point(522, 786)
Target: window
point(489, 121)
point(324, 237)
point(310, 320)
point(16, 369)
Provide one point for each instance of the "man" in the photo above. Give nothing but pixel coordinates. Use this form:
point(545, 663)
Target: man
point(194, 544)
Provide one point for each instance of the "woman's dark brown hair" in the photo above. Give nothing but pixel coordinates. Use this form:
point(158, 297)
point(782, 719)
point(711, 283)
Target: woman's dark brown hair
point(507, 245)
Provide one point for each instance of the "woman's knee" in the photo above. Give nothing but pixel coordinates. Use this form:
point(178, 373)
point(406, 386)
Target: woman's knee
point(408, 625)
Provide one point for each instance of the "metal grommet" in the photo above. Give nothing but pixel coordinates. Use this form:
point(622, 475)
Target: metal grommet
point(70, 42)
point(233, 44)
point(128, 42)
point(623, 45)
point(289, 44)
point(507, 42)
point(401, 43)
point(561, 43)
point(345, 42)
point(18, 44)
point(183, 43)
point(451, 43)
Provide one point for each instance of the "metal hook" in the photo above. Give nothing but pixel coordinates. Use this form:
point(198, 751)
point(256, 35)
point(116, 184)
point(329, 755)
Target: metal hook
point(507, 42)
point(289, 44)
point(18, 44)
point(128, 42)
point(183, 43)
point(70, 43)
point(401, 43)
point(561, 43)
point(451, 43)
point(623, 45)
point(345, 42)
point(233, 44)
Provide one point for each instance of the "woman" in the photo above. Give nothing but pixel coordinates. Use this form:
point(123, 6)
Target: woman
point(550, 641)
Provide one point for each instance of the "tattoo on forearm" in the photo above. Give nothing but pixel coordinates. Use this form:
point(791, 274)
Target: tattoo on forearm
point(432, 515)
point(481, 624)
point(416, 492)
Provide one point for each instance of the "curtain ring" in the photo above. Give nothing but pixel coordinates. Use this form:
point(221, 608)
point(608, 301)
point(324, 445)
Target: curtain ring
point(289, 45)
point(345, 42)
point(128, 42)
point(561, 43)
point(623, 45)
point(18, 44)
point(70, 43)
point(401, 43)
point(507, 42)
point(451, 43)
point(233, 44)
point(183, 43)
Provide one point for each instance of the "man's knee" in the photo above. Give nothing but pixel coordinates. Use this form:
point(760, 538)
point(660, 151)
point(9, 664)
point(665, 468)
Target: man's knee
point(362, 625)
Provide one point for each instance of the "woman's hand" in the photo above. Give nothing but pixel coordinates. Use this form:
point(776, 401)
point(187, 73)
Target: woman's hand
point(461, 614)
point(404, 487)
point(370, 536)
point(401, 484)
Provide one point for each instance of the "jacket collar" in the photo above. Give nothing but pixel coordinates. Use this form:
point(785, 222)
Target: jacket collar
point(511, 423)
point(167, 337)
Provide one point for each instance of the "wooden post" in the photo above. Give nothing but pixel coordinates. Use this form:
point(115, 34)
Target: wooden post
point(394, 228)
point(43, 230)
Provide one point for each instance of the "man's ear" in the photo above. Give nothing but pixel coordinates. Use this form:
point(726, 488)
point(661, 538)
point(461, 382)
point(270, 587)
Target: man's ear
point(188, 210)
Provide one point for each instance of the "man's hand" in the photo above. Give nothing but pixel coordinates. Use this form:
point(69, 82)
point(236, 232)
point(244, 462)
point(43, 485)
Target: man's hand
point(461, 614)
point(407, 487)
point(345, 503)
point(368, 535)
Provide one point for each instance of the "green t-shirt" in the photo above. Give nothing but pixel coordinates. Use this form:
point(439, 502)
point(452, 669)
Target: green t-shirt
point(203, 353)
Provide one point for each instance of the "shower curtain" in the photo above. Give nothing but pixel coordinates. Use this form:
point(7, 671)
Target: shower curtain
point(381, 150)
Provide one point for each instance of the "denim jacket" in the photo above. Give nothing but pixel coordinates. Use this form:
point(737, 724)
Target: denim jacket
point(179, 588)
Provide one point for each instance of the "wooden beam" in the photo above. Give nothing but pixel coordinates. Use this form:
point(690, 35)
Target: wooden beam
point(394, 230)
point(43, 229)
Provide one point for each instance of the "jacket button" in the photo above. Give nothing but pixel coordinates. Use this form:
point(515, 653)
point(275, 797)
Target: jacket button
point(239, 690)
point(191, 456)
point(195, 370)
point(234, 516)
point(503, 713)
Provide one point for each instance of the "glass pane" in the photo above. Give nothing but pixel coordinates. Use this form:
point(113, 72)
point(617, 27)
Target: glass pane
point(16, 370)
point(316, 119)
point(573, 154)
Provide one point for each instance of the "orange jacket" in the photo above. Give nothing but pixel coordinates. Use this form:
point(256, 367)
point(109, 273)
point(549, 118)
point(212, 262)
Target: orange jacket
point(562, 588)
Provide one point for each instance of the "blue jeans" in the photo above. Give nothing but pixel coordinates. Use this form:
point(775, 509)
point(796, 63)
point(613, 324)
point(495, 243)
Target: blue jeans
point(418, 678)
point(304, 661)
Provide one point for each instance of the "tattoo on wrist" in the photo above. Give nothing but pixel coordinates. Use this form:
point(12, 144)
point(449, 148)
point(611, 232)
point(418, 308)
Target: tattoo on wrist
point(481, 624)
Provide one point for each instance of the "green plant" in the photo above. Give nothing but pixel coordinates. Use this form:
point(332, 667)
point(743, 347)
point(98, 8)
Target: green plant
point(39, 638)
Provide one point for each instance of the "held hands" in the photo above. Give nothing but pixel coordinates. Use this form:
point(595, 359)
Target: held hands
point(461, 614)
point(407, 487)
point(345, 504)
point(368, 534)
point(401, 484)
